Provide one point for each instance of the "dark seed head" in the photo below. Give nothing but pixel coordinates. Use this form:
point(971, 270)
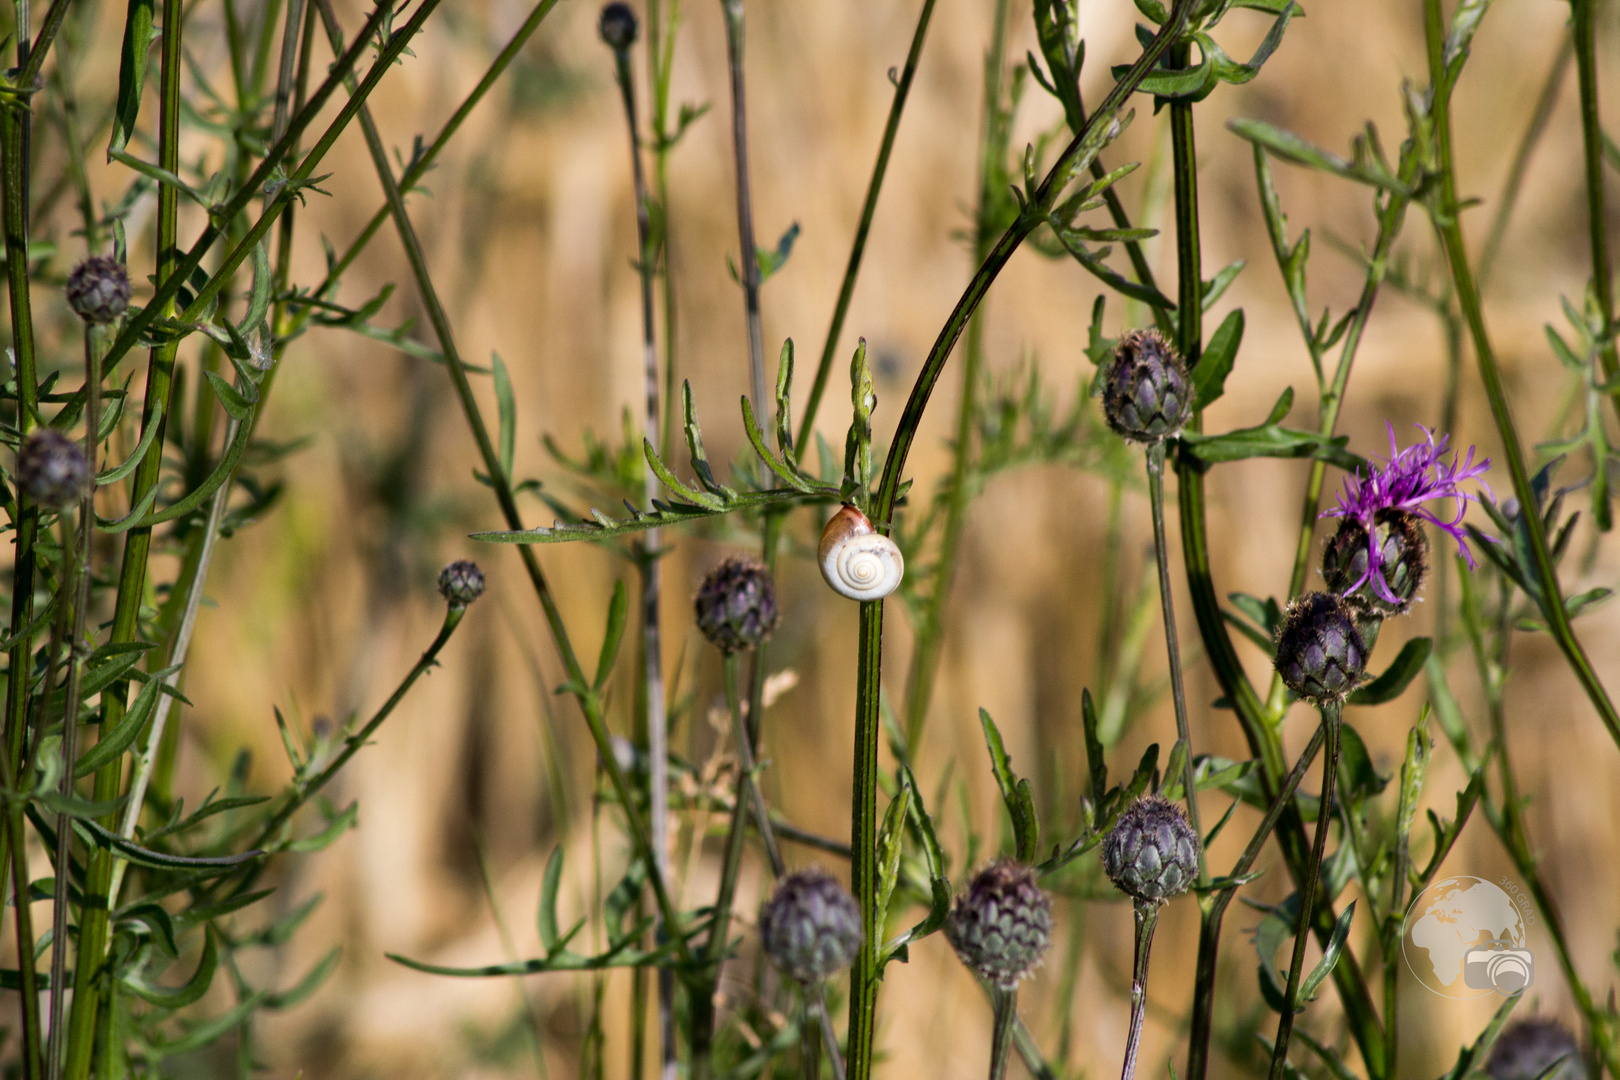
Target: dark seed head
point(1147, 392)
point(617, 26)
point(98, 290)
point(810, 927)
point(461, 583)
point(1320, 654)
point(52, 470)
point(1151, 853)
point(1527, 1049)
point(1403, 552)
point(1001, 924)
point(736, 605)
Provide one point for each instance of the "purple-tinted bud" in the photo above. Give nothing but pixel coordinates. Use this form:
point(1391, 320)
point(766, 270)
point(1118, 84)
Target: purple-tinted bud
point(1147, 392)
point(617, 26)
point(1320, 654)
point(736, 605)
point(810, 927)
point(461, 583)
point(52, 470)
point(1151, 853)
point(1403, 560)
point(1001, 924)
point(1529, 1048)
point(98, 290)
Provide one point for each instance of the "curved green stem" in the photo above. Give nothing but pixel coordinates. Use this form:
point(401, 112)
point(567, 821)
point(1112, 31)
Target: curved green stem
point(1445, 211)
point(857, 251)
point(1584, 36)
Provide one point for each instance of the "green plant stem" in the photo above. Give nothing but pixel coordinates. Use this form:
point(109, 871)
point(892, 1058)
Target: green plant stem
point(78, 652)
point(651, 713)
point(589, 698)
point(748, 250)
point(1507, 820)
point(663, 20)
point(868, 722)
point(1445, 211)
point(1584, 36)
point(1213, 910)
point(1172, 647)
point(1147, 919)
point(25, 516)
point(701, 1005)
point(304, 790)
point(1005, 1003)
point(1254, 718)
point(1309, 887)
point(91, 985)
point(22, 905)
point(1534, 129)
point(810, 1032)
point(1391, 217)
point(169, 288)
point(857, 250)
point(930, 624)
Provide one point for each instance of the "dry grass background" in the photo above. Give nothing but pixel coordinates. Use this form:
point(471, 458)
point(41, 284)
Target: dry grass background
point(321, 607)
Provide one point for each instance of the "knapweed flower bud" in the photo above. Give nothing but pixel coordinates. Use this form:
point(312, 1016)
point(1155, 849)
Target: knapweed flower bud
point(1151, 853)
point(1320, 653)
point(1147, 392)
point(461, 583)
point(52, 470)
point(1001, 924)
point(736, 605)
point(617, 26)
point(1526, 1049)
point(98, 290)
point(810, 927)
point(1403, 560)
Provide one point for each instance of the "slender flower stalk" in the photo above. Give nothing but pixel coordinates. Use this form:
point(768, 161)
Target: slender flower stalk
point(748, 250)
point(618, 30)
point(1310, 887)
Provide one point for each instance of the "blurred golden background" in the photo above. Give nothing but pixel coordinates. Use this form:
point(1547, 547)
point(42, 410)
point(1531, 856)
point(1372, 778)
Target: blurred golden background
point(321, 607)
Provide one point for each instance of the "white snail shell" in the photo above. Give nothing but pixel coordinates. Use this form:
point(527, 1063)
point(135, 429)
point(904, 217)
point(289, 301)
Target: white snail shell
point(858, 561)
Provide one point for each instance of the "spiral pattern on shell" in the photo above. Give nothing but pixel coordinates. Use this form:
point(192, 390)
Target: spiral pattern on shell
point(858, 561)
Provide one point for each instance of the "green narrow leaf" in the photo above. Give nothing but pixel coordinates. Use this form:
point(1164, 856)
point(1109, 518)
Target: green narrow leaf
point(337, 825)
point(618, 607)
point(1209, 377)
point(137, 45)
point(889, 844)
point(784, 404)
point(773, 260)
point(551, 884)
point(858, 443)
point(122, 735)
point(306, 986)
point(1398, 676)
point(235, 405)
point(1096, 764)
point(1330, 957)
point(112, 476)
point(506, 410)
point(181, 996)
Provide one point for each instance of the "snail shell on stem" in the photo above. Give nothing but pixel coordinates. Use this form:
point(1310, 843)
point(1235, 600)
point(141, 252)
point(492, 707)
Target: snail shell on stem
point(858, 561)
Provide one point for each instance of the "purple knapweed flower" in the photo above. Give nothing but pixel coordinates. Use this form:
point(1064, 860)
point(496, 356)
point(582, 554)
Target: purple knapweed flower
point(1401, 486)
